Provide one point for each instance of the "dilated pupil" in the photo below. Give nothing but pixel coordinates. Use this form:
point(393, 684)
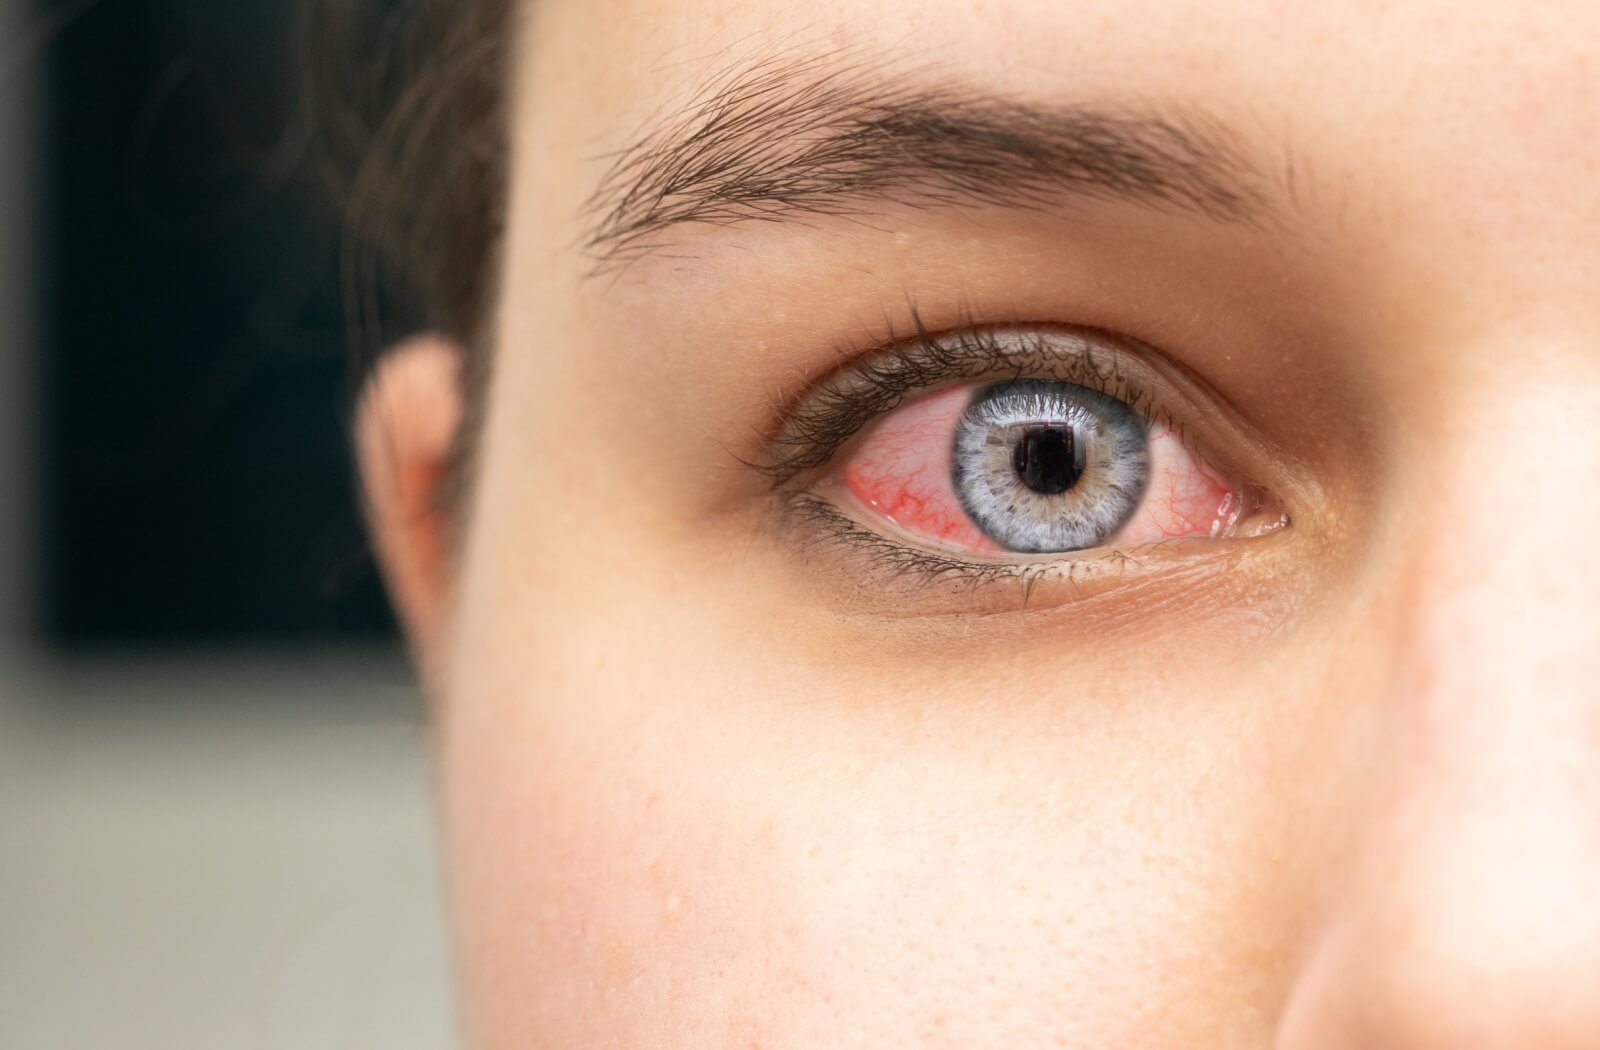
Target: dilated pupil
point(1046, 458)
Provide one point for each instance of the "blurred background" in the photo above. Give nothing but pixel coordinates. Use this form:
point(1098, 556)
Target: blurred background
point(215, 822)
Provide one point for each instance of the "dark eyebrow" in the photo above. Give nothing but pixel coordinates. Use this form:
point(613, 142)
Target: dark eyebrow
point(790, 140)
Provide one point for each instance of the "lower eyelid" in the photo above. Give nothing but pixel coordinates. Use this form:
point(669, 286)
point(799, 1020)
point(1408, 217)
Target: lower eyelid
point(867, 572)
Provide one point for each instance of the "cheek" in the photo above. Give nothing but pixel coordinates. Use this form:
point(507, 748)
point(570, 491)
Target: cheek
point(669, 828)
point(902, 471)
point(792, 880)
point(614, 882)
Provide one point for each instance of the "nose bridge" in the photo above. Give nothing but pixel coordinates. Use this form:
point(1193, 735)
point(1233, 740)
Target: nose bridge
point(1471, 916)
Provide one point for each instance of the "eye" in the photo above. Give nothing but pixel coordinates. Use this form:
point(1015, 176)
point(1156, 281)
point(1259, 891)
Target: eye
point(1036, 467)
point(918, 462)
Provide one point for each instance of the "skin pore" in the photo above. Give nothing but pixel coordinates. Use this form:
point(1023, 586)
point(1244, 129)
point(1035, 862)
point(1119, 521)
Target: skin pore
point(729, 761)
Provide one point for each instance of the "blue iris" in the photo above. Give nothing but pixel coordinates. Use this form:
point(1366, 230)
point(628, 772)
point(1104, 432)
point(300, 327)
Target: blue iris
point(1043, 466)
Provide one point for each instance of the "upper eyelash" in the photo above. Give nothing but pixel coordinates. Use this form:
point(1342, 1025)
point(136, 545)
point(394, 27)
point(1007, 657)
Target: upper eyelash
point(855, 396)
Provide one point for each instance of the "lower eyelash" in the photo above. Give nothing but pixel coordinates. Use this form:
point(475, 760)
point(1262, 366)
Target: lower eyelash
point(820, 522)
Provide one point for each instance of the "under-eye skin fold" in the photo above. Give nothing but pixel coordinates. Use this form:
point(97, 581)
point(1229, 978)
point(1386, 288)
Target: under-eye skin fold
point(1011, 453)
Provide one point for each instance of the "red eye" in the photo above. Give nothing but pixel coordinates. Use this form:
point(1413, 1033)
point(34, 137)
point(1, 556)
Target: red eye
point(1034, 466)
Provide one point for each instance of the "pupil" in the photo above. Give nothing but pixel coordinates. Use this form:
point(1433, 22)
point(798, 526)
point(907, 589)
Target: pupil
point(1046, 459)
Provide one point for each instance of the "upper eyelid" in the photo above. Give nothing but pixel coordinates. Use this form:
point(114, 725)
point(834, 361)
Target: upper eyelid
point(832, 412)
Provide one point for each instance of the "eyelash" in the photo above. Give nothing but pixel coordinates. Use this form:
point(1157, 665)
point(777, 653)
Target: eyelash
point(835, 411)
point(901, 561)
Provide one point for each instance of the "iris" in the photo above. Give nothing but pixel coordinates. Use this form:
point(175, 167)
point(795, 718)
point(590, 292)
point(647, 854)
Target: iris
point(1043, 467)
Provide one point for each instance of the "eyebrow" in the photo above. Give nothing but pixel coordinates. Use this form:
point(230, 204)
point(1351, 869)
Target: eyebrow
point(786, 141)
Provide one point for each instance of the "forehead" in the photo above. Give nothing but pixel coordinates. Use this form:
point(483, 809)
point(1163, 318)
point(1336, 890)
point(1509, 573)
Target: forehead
point(1373, 111)
point(1455, 63)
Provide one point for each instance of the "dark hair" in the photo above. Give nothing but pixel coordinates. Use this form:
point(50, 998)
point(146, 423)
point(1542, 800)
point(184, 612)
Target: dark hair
point(412, 115)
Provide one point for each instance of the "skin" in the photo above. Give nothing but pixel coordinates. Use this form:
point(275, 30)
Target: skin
point(1338, 786)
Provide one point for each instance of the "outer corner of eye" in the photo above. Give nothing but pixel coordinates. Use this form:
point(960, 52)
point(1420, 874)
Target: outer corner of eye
point(1040, 466)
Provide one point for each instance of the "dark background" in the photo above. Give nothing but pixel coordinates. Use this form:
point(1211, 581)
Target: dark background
point(197, 482)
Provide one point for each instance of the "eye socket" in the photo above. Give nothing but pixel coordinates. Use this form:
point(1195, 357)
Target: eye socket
point(1035, 467)
point(921, 461)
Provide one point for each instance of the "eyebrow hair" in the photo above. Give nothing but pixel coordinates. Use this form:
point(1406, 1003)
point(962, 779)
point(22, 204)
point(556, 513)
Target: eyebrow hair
point(784, 141)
